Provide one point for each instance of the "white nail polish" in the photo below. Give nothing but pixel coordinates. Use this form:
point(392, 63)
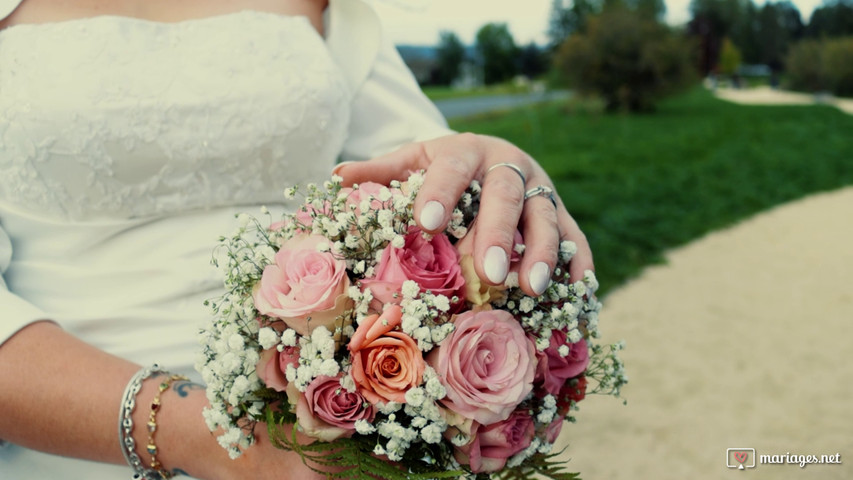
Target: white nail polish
point(539, 277)
point(496, 264)
point(338, 167)
point(432, 215)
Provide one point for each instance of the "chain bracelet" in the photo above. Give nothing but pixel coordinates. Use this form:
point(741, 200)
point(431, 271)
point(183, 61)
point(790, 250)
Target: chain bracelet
point(125, 422)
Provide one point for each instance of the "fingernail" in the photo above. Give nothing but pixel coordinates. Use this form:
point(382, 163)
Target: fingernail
point(496, 264)
point(338, 167)
point(432, 215)
point(539, 277)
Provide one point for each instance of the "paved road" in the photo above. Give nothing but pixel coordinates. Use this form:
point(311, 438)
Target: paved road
point(461, 107)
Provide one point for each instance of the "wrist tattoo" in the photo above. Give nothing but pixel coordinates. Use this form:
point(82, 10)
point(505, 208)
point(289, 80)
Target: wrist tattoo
point(184, 388)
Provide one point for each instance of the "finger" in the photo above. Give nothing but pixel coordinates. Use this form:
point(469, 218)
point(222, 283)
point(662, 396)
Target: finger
point(397, 165)
point(501, 204)
point(452, 167)
point(541, 235)
point(582, 261)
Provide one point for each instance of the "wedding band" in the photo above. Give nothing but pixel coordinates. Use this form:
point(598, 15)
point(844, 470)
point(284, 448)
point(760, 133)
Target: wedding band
point(542, 190)
point(513, 166)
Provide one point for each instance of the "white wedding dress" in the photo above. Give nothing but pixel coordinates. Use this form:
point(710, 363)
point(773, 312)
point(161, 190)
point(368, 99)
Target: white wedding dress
point(126, 147)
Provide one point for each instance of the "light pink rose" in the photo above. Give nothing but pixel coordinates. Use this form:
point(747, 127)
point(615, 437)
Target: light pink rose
point(433, 264)
point(385, 363)
point(494, 444)
point(354, 196)
point(553, 369)
point(327, 411)
point(272, 366)
point(486, 364)
point(305, 288)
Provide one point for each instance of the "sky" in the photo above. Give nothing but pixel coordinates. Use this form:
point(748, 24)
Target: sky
point(418, 22)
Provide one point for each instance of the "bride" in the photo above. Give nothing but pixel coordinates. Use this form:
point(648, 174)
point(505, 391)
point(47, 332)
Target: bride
point(131, 132)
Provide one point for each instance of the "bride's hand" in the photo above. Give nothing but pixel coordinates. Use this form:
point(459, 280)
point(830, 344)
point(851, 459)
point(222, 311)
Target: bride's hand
point(506, 174)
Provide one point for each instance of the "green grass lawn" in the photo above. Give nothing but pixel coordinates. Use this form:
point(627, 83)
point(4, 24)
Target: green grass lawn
point(639, 185)
point(444, 93)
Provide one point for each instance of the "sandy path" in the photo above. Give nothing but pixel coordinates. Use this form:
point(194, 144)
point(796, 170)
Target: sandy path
point(744, 339)
point(769, 96)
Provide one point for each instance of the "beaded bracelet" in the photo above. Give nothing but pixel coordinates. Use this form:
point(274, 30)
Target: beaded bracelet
point(125, 420)
point(152, 424)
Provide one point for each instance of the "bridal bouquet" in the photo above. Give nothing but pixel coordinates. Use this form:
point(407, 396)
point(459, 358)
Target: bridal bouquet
point(381, 343)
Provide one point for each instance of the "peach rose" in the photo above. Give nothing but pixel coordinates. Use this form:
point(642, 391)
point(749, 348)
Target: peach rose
point(432, 263)
point(385, 362)
point(304, 287)
point(486, 364)
point(494, 444)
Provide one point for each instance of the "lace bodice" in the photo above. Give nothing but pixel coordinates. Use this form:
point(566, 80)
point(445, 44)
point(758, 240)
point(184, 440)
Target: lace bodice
point(164, 117)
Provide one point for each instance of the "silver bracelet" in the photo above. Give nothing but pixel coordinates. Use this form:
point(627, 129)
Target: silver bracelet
point(125, 423)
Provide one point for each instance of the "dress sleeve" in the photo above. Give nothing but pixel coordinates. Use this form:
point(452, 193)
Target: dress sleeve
point(388, 108)
point(7, 7)
point(15, 312)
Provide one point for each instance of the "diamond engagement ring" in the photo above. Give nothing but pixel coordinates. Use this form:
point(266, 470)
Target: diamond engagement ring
point(513, 166)
point(542, 190)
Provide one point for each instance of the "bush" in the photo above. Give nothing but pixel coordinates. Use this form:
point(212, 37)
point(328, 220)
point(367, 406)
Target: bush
point(822, 65)
point(838, 64)
point(629, 60)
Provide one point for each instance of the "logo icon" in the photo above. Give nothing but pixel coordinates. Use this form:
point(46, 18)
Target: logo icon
point(740, 458)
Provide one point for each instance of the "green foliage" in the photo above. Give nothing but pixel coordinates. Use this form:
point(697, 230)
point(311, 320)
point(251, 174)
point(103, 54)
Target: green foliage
point(628, 60)
point(345, 458)
point(640, 185)
point(729, 58)
point(541, 465)
point(568, 17)
point(832, 19)
point(838, 64)
point(532, 61)
point(450, 55)
point(818, 65)
point(805, 66)
point(497, 51)
point(763, 35)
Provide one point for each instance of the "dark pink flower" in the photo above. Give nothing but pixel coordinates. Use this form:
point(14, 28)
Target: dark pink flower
point(493, 444)
point(432, 263)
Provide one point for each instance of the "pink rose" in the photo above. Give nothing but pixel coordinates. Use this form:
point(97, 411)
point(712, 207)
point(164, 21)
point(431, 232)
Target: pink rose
point(305, 288)
point(272, 366)
point(486, 364)
point(553, 429)
point(554, 369)
point(327, 411)
point(385, 363)
point(494, 444)
point(354, 196)
point(433, 264)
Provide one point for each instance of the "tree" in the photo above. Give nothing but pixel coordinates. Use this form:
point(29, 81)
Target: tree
point(569, 16)
point(730, 58)
point(779, 24)
point(628, 60)
point(653, 9)
point(532, 61)
point(497, 51)
point(450, 55)
point(831, 20)
point(714, 20)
